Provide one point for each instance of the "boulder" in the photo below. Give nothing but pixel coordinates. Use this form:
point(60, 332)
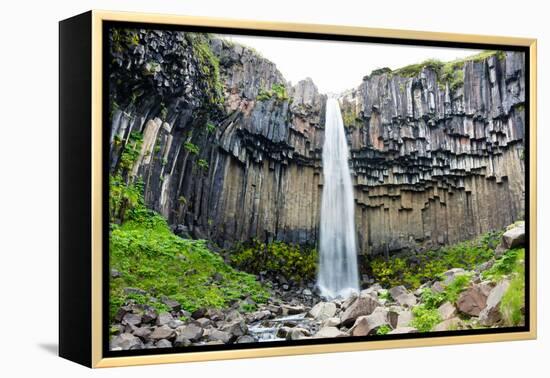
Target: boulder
point(406, 300)
point(293, 310)
point(451, 274)
point(192, 332)
point(323, 310)
point(199, 313)
point(203, 322)
point(398, 291)
point(126, 341)
point(401, 330)
point(437, 287)
point(330, 322)
point(349, 301)
point(491, 315)
point(236, 328)
point(164, 318)
point(451, 324)
point(162, 332)
point(175, 323)
point(362, 306)
point(245, 339)
point(131, 319)
point(472, 301)
point(142, 332)
point(297, 333)
point(367, 325)
point(515, 236)
point(163, 344)
point(447, 311)
point(149, 315)
point(181, 341)
point(212, 314)
point(221, 336)
point(329, 332)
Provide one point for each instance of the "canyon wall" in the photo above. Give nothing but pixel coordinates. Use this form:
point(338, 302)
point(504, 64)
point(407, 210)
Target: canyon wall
point(228, 150)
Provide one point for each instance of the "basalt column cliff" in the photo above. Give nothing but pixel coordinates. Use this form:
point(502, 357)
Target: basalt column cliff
point(228, 150)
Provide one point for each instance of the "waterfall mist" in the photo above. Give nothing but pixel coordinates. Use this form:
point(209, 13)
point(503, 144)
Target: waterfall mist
point(338, 274)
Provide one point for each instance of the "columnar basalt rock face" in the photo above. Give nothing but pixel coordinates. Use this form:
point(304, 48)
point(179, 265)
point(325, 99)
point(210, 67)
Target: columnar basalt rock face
point(430, 164)
point(435, 166)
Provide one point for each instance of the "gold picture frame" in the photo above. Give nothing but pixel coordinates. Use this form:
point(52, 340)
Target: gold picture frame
point(93, 23)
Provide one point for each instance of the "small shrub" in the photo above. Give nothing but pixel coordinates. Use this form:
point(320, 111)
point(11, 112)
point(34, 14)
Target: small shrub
point(504, 265)
point(203, 164)
point(291, 261)
point(425, 318)
point(191, 147)
point(383, 330)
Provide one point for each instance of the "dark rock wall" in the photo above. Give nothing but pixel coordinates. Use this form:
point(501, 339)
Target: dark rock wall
point(430, 165)
point(435, 166)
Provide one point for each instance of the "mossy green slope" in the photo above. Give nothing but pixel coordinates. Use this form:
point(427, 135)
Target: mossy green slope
point(150, 257)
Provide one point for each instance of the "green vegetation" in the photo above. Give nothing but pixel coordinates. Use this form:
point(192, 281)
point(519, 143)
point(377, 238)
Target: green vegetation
point(505, 265)
point(124, 38)
point(209, 65)
point(131, 151)
point(451, 73)
point(414, 269)
point(513, 301)
point(510, 265)
point(380, 71)
point(191, 147)
point(203, 164)
point(210, 127)
point(277, 91)
point(425, 318)
point(291, 261)
point(123, 198)
point(150, 257)
point(383, 330)
point(349, 117)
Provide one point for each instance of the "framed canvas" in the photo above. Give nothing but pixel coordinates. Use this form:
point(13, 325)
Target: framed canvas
point(234, 189)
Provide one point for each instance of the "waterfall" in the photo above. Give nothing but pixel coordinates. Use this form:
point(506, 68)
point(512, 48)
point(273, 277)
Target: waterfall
point(338, 274)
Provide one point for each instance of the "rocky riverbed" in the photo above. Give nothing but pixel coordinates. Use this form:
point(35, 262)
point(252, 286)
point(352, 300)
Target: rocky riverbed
point(298, 313)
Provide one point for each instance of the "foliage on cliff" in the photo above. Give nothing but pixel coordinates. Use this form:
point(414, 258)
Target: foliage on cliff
point(150, 257)
point(414, 269)
point(293, 262)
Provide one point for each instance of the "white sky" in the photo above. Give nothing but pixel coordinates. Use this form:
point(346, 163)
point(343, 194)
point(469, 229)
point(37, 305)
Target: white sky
point(337, 66)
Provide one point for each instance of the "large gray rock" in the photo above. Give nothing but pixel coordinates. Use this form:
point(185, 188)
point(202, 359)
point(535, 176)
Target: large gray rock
point(192, 332)
point(163, 344)
point(447, 311)
point(126, 341)
point(473, 300)
point(331, 322)
point(451, 274)
point(245, 339)
point(131, 319)
point(406, 300)
point(217, 335)
point(162, 332)
point(236, 328)
point(397, 291)
point(362, 306)
point(164, 318)
point(515, 236)
point(323, 310)
point(491, 313)
point(329, 332)
point(451, 324)
point(142, 332)
point(368, 325)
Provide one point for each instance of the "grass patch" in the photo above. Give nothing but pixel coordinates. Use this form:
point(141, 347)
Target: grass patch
point(505, 265)
point(414, 269)
point(383, 329)
point(288, 260)
point(150, 257)
point(277, 91)
point(425, 318)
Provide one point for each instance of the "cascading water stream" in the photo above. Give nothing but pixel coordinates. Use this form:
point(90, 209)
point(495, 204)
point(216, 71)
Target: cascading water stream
point(338, 274)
